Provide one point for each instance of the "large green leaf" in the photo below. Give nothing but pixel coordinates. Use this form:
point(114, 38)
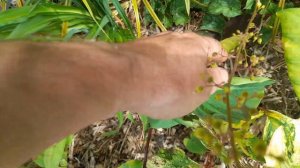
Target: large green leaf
point(250, 91)
point(178, 11)
point(229, 8)
point(215, 23)
point(194, 145)
point(290, 21)
point(53, 155)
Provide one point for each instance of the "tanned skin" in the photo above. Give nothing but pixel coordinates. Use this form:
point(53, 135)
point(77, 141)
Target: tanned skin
point(49, 90)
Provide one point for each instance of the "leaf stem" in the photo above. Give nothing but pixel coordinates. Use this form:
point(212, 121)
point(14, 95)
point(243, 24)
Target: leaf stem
point(200, 4)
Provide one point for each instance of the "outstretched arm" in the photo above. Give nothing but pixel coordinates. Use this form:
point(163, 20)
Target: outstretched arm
point(50, 90)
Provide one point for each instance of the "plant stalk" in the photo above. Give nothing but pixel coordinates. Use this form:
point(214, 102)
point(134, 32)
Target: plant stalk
point(147, 147)
point(229, 110)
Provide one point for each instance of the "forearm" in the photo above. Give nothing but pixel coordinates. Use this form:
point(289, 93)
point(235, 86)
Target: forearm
point(51, 90)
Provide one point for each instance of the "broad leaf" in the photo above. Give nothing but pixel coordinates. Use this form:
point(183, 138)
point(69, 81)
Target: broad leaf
point(178, 11)
point(245, 96)
point(214, 23)
point(53, 155)
point(194, 145)
point(229, 8)
point(290, 21)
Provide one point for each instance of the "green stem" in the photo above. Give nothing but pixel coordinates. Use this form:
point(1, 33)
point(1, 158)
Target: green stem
point(200, 4)
point(229, 109)
point(281, 4)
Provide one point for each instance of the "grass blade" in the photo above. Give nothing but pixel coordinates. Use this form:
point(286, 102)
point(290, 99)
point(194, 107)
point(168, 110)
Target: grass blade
point(91, 13)
point(137, 18)
point(188, 6)
point(122, 14)
point(96, 30)
point(154, 16)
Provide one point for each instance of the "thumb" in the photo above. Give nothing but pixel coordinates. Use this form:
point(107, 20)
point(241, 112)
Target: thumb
point(219, 76)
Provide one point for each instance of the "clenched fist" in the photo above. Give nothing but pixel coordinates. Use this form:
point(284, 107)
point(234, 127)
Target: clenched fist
point(51, 89)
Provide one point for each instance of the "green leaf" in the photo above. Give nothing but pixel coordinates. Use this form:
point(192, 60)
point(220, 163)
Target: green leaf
point(249, 4)
point(130, 117)
point(194, 145)
point(145, 122)
point(95, 30)
point(122, 14)
point(53, 155)
point(188, 6)
point(155, 123)
point(175, 158)
point(231, 43)
point(132, 164)
point(270, 9)
point(229, 8)
point(214, 23)
point(251, 91)
point(121, 118)
point(178, 11)
point(22, 22)
point(153, 14)
point(290, 21)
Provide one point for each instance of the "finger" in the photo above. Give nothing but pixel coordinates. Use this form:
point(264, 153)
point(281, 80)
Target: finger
point(219, 77)
point(216, 52)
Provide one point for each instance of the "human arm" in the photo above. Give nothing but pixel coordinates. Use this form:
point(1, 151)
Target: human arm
point(49, 90)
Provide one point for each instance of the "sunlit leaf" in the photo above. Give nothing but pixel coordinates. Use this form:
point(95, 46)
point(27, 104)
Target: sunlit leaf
point(188, 6)
point(53, 155)
point(137, 17)
point(290, 21)
point(231, 43)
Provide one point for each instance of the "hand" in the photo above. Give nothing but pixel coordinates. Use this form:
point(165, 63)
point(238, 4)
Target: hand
point(168, 70)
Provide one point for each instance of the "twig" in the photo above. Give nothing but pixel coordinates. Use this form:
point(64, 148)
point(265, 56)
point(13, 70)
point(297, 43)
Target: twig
point(126, 134)
point(147, 147)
